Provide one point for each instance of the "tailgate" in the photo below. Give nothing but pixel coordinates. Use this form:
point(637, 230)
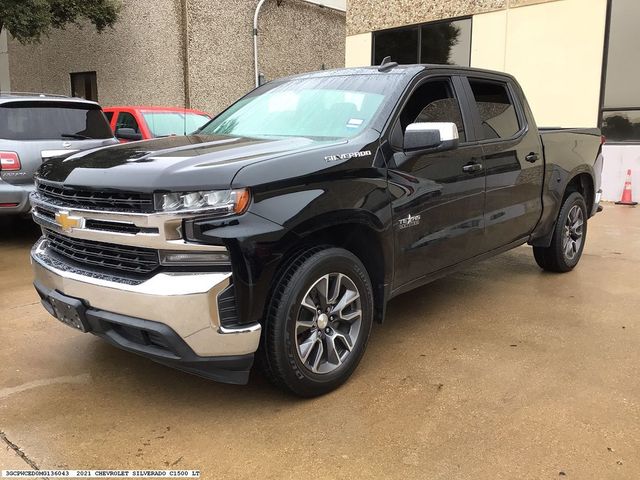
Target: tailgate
point(39, 129)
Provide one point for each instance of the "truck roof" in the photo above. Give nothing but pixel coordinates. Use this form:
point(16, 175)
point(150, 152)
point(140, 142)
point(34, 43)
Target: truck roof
point(409, 70)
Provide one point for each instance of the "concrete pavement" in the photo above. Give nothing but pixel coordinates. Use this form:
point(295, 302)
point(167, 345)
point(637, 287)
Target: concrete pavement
point(500, 371)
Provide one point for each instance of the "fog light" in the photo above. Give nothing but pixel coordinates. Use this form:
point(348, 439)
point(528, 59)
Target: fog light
point(194, 258)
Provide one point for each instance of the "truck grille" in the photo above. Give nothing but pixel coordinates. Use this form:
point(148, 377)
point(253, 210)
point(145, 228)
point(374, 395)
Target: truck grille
point(78, 198)
point(112, 257)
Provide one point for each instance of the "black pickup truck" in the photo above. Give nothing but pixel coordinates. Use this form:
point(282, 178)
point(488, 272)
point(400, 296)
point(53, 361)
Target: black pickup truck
point(283, 227)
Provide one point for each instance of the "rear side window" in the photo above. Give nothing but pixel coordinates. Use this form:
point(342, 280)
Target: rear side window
point(109, 116)
point(52, 121)
point(497, 112)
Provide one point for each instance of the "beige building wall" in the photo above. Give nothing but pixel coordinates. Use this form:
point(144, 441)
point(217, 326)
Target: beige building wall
point(554, 50)
point(358, 50)
point(489, 40)
point(553, 47)
point(294, 37)
point(140, 61)
point(5, 81)
point(370, 15)
point(137, 62)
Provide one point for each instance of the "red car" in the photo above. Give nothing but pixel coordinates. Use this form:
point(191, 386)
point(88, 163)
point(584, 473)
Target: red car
point(144, 122)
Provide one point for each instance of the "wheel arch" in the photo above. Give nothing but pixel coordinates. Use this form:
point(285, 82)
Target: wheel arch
point(580, 180)
point(582, 183)
point(360, 234)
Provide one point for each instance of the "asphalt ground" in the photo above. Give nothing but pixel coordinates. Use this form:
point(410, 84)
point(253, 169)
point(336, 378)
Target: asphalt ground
point(500, 371)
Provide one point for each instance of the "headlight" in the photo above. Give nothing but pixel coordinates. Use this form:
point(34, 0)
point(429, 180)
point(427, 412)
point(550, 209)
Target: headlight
point(223, 202)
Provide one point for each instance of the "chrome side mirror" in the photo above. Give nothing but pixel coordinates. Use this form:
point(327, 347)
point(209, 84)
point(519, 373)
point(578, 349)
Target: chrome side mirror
point(431, 135)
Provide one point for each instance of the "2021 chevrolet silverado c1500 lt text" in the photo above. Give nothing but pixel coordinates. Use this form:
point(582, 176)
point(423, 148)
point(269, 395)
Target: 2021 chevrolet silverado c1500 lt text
point(282, 228)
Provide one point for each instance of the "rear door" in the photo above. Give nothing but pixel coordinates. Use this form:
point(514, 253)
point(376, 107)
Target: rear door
point(512, 159)
point(37, 130)
point(437, 201)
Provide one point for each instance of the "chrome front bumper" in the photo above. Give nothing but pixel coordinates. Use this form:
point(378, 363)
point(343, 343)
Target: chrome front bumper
point(185, 302)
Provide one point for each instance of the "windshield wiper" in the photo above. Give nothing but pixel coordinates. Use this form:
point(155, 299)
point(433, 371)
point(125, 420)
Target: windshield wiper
point(75, 135)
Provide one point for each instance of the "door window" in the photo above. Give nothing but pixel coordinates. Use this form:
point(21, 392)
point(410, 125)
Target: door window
point(433, 102)
point(126, 120)
point(497, 112)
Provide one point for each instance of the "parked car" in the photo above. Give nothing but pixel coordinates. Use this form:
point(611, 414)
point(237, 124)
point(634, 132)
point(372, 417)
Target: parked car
point(36, 127)
point(146, 122)
point(286, 224)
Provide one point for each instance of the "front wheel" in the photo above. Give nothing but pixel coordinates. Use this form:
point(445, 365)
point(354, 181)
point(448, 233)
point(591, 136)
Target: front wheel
point(569, 237)
point(318, 322)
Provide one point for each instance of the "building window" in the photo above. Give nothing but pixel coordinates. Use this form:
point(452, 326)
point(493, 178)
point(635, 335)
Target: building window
point(84, 85)
point(621, 95)
point(446, 43)
point(401, 45)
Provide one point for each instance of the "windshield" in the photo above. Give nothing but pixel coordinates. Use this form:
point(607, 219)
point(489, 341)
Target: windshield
point(52, 121)
point(320, 107)
point(163, 124)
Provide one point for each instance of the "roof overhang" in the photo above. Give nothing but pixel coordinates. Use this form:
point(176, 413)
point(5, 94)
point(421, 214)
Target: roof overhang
point(340, 5)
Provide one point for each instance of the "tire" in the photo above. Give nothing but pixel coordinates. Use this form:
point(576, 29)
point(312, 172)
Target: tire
point(306, 352)
point(561, 256)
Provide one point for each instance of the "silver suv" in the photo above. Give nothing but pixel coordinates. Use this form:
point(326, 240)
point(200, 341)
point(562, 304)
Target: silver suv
point(37, 127)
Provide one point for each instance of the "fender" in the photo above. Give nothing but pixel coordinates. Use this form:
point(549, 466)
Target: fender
point(555, 185)
point(281, 222)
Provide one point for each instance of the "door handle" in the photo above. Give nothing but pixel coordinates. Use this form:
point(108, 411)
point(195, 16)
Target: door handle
point(532, 157)
point(472, 167)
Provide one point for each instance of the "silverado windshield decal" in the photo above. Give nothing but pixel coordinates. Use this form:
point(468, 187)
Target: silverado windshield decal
point(347, 156)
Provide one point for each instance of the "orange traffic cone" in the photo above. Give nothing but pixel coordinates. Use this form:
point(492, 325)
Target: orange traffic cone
point(626, 193)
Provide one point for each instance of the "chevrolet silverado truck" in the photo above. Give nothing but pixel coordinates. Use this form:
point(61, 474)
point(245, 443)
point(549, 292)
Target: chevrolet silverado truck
point(281, 228)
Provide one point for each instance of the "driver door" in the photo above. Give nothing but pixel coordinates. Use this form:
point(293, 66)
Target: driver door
point(437, 197)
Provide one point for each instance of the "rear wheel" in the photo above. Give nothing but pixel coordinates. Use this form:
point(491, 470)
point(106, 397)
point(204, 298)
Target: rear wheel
point(318, 322)
point(569, 237)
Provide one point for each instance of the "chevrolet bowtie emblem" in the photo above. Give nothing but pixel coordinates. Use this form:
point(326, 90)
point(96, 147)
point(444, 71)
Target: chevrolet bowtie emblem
point(67, 222)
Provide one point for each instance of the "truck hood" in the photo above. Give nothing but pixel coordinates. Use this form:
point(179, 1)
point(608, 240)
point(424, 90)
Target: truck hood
point(194, 162)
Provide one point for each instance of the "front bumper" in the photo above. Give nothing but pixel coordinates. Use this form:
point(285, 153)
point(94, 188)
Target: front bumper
point(17, 197)
point(171, 318)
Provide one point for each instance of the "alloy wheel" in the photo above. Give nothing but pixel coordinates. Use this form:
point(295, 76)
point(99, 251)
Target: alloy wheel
point(573, 233)
point(328, 323)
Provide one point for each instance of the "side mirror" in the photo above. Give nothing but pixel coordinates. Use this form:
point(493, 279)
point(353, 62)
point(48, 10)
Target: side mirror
point(128, 134)
point(431, 135)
